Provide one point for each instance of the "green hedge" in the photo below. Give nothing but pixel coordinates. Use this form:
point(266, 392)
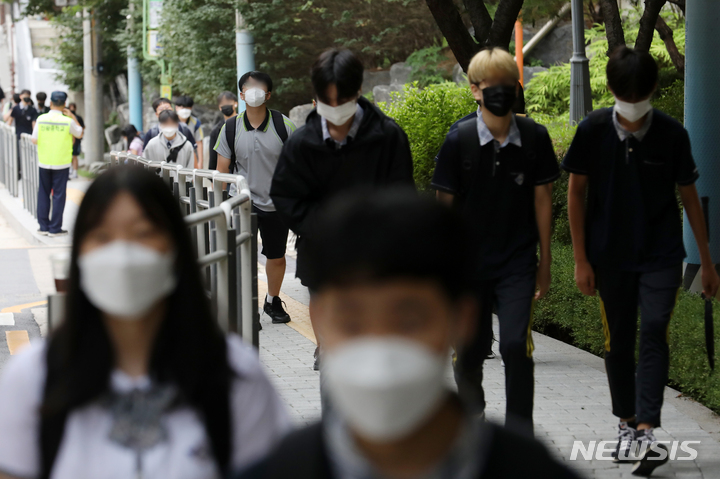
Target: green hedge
point(426, 116)
point(567, 314)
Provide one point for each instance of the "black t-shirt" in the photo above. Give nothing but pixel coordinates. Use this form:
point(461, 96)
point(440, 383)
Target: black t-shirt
point(212, 163)
point(499, 204)
point(23, 119)
point(633, 220)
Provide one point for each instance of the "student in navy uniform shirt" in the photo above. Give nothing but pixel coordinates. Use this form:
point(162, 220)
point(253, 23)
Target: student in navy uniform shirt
point(626, 161)
point(497, 170)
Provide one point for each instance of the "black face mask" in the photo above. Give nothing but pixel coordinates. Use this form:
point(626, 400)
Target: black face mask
point(227, 110)
point(499, 99)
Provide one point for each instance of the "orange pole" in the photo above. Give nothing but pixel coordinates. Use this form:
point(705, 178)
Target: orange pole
point(519, 49)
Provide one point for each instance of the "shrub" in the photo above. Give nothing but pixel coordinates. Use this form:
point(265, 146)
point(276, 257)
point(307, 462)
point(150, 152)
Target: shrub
point(671, 100)
point(426, 116)
point(567, 314)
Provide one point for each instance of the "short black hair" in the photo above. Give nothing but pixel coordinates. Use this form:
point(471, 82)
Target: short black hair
point(375, 236)
point(339, 67)
point(23, 92)
point(41, 96)
point(159, 101)
point(129, 132)
point(631, 74)
point(186, 101)
point(72, 104)
point(262, 77)
point(166, 115)
point(16, 98)
point(226, 95)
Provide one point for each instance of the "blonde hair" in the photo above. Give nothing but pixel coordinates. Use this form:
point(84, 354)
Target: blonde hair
point(492, 62)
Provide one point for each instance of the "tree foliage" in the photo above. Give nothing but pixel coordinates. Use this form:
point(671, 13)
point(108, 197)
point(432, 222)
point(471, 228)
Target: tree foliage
point(289, 34)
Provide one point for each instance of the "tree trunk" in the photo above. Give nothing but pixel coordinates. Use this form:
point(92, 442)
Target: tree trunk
point(502, 27)
point(480, 18)
point(647, 24)
point(679, 3)
point(666, 34)
point(613, 24)
point(452, 27)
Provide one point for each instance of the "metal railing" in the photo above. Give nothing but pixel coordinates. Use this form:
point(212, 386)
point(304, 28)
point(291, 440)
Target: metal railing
point(8, 158)
point(223, 234)
point(30, 175)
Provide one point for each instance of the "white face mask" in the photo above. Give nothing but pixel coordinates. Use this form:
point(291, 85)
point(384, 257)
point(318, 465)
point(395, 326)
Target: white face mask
point(126, 279)
point(384, 387)
point(337, 115)
point(632, 112)
point(184, 113)
point(169, 131)
point(255, 96)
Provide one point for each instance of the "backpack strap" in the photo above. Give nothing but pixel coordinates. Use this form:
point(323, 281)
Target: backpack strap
point(279, 124)
point(528, 135)
point(469, 154)
point(172, 156)
point(230, 129)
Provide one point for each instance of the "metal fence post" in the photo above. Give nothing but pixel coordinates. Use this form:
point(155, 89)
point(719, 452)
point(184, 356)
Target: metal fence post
point(232, 290)
point(255, 298)
point(249, 309)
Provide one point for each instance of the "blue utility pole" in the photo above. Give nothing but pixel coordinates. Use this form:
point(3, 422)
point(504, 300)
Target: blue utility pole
point(702, 104)
point(245, 50)
point(135, 99)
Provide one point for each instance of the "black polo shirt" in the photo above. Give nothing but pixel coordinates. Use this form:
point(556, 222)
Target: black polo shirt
point(633, 221)
point(499, 204)
point(23, 119)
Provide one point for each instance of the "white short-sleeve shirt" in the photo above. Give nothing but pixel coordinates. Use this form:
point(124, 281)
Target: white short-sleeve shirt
point(259, 422)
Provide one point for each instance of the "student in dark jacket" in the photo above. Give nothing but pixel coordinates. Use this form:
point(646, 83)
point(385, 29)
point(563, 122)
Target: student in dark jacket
point(227, 104)
point(346, 142)
point(390, 308)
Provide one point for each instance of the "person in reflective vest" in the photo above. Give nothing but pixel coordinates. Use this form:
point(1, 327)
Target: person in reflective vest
point(54, 134)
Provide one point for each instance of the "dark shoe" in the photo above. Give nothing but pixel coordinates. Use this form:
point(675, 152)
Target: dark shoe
point(276, 311)
point(42, 233)
point(316, 364)
point(625, 451)
point(59, 233)
point(652, 454)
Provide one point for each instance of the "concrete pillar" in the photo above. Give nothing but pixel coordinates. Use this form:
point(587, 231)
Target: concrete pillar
point(245, 50)
point(93, 139)
point(702, 104)
point(580, 93)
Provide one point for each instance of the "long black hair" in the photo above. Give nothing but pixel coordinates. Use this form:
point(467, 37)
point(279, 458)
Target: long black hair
point(190, 350)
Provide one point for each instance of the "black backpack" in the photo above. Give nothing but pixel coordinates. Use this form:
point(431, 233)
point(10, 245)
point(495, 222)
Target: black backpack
point(470, 150)
point(231, 128)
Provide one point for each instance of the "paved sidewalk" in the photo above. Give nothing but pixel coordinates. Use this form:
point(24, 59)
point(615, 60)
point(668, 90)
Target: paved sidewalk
point(571, 394)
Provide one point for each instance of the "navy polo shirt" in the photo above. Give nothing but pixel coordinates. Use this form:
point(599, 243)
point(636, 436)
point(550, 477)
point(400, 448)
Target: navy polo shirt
point(499, 206)
point(633, 221)
point(23, 119)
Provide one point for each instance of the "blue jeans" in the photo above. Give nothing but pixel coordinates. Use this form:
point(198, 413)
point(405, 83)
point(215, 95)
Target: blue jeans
point(54, 181)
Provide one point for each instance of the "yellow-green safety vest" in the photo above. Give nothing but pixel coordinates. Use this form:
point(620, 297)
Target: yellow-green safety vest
point(54, 140)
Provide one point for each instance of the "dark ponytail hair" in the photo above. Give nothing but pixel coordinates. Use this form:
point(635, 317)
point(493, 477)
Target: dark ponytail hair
point(190, 350)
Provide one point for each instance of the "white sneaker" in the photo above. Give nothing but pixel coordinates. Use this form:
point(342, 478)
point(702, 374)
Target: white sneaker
point(652, 453)
point(625, 449)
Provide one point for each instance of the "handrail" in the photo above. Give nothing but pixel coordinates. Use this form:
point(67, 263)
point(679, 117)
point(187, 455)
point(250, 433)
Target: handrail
point(223, 227)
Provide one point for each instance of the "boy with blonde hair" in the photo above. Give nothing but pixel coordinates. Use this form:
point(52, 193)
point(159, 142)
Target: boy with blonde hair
point(497, 170)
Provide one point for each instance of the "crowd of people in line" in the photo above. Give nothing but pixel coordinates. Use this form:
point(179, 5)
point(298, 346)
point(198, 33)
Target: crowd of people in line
point(139, 379)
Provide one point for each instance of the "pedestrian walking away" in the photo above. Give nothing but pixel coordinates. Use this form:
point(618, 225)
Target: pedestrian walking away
point(54, 134)
point(625, 163)
point(346, 143)
point(497, 158)
point(138, 380)
point(171, 145)
point(227, 104)
point(77, 144)
point(250, 144)
point(388, 322)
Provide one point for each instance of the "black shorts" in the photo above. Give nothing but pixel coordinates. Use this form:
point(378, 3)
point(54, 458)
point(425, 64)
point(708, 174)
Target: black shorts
point(76, 148)
point(273, 232)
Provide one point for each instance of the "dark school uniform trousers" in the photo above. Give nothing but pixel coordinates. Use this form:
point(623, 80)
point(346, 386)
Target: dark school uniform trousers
point(637, 390)
point(54, 181)
point(513, 298)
